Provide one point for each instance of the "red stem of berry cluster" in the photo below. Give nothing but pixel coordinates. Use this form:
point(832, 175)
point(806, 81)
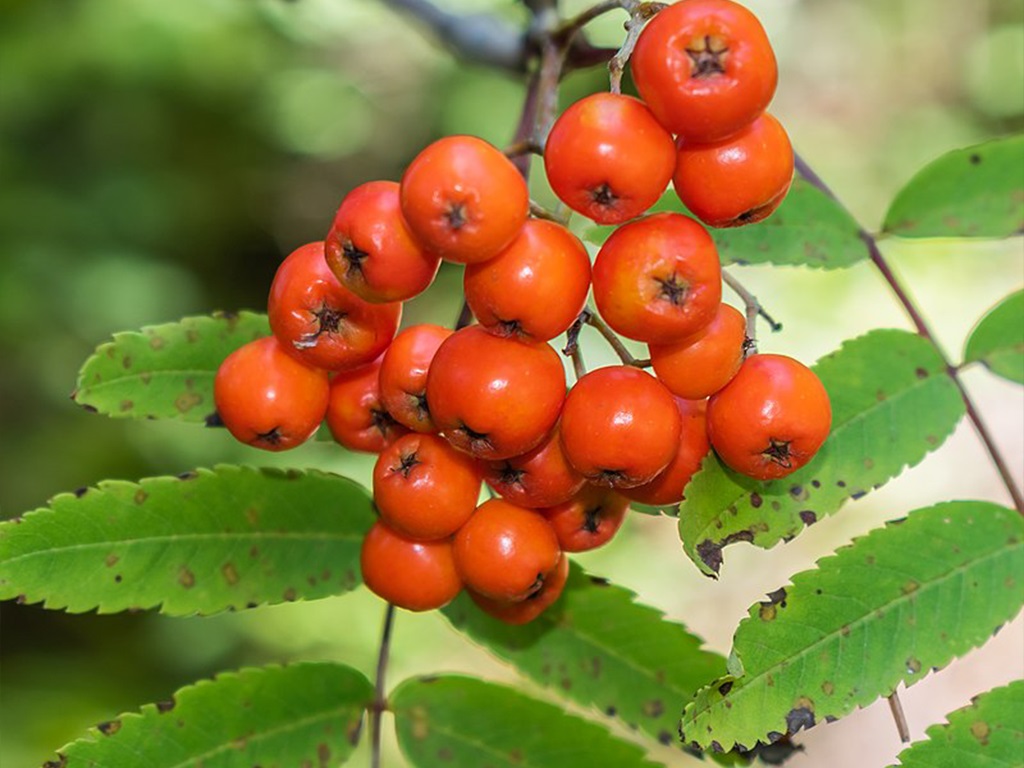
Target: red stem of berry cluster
point(923, 330)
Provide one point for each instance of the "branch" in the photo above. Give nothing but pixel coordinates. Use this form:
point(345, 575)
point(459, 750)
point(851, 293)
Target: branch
point(753, 310)
point(380, 702)
point(482, 38)
point(925, 332)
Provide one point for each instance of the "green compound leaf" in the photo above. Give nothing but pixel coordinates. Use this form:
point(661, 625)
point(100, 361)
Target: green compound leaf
point(598, 647)
point(987, 734)
point(227, 538)
point(973, 192)
point(892, 404)
point(305, 714)
point(808, 229)
point(998, 339)
point(463, 722)
point(164, 371)
point(903, 599)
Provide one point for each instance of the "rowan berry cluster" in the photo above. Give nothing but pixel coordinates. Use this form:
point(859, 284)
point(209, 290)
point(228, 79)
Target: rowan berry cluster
point(450, 410)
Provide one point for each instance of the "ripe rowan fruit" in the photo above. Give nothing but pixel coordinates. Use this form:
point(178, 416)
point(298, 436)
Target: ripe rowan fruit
point(535, 288)
point(424, 488)
point(699, 365)
point(658, 279)
point(608, 158)
point(505, 552)
point(403, 375)
point(771, 419)
point(739, 180)
point(268, 399)
point(415, 575)
point(463, 199)
point(705, 68)
point(589, 519)
point(356, 415)
point(494, 397)
point(370, 250)
point(321, 322)
point(542, 477)
point(668, 486)
point(525, 611)
point(620, 426)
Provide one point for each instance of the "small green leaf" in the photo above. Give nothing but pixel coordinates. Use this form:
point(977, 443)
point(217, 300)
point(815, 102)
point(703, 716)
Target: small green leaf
point(892, 404)
point(973, 192)
point(896, 603)
point(998, 339)
point(302, 714)
point(598, 647)
point(808, 229)
point(463, 722)
point(232, 537)
point(164, 371)
point(987, 734)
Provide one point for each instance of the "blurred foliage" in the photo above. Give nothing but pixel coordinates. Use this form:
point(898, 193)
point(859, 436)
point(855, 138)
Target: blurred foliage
point(158, 159)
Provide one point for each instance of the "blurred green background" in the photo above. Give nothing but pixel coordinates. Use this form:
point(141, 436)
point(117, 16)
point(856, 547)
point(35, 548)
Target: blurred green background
point(159, 159)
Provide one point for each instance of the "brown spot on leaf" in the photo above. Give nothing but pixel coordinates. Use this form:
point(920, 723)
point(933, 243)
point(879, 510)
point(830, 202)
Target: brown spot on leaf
point(654, 708)
point(186, 401)
point(800, 718)
point(186, 578)
point(353, 731)
point(910, 587)
point(756, 500)
point(323, 754)
point(140, 496)
point(981, 730)
point(828, 688)
point(111, 560)
point(230, 573)
point(921, 373)
point(710, 552)
point(913, 666)
point(109, 728)
point(60, 762)
point(290, 595)
point(165, 706)
point(809, 517)
point(420, 723)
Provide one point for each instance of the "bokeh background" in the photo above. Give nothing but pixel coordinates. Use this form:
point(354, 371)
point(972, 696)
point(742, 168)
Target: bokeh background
point(159, 159)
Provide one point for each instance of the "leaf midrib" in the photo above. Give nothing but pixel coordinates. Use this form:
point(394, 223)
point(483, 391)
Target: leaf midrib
point(263, 735)
point(185, 537)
